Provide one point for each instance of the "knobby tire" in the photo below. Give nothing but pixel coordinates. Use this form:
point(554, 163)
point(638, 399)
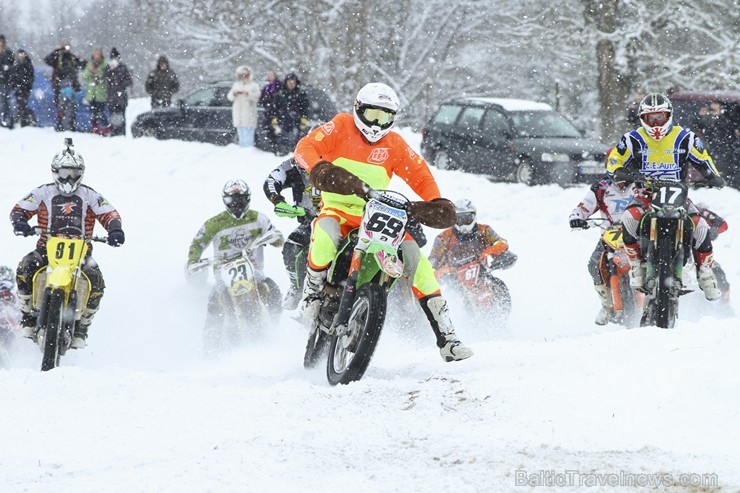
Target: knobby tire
point(53, 334)
point(376, 298)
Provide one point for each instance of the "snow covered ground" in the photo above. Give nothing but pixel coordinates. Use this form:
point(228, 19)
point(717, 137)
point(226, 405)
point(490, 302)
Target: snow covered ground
point(552, 399)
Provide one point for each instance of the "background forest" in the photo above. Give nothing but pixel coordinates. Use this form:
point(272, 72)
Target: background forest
point(589, 58)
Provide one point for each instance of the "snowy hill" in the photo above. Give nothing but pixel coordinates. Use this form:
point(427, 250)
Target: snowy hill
point(140, 410)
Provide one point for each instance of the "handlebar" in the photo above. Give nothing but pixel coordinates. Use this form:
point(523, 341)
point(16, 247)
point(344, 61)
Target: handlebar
point(40, 232)
point(207, 262)
point(637, 177)
point(387, 197)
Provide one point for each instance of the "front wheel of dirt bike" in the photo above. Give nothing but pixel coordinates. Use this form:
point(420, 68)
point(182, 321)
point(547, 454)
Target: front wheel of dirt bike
point(665, 308)
point(53, 330)
point(350, 352)
point(316, 346)
point(631, 312)
point(501, 299)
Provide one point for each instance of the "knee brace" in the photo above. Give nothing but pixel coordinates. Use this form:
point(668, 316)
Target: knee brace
point(324, 241)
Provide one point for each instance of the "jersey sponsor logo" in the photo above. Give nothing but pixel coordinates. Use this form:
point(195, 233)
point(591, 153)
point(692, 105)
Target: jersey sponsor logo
point(699, 145)
point(67, 208)
point(379, 155)
point(411, 152)
point(621, 204)
point(102, 202)
point(663, 171)
point(28, 198)
point(328, 128)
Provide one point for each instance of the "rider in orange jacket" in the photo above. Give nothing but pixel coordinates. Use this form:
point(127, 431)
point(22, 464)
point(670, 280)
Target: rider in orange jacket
point(349, 157)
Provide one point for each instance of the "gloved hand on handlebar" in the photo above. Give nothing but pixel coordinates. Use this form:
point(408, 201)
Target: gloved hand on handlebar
point(116, 237)
point(714, 181)
point(22, 228)
point(622, 175)
point(283, 209)
point(438, 213)
point(327, 177)
point(578, 223)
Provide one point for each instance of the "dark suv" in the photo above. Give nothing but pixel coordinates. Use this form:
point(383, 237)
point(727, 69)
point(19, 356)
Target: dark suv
point(511, 139)
point(205, 116)
point(715, 117)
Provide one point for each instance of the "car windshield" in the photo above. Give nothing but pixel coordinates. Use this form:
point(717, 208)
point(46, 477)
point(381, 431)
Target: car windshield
point(542, 124)
point(202, 97)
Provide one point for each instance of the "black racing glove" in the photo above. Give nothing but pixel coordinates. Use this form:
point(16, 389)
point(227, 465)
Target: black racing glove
point(714, 181)
point(622, 175)
point(578, 223)
point(22, 228)
point(116, 237)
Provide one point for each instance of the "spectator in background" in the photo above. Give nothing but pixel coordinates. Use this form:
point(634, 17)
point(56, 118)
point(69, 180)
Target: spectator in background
point(65, 65)
point(119, 80)
point(162, 83)
point(21, 80)
point(267, 101)
point(714, 127)
point(244, 95)
point(6, 65)
point(97, 91)
point(291, 110)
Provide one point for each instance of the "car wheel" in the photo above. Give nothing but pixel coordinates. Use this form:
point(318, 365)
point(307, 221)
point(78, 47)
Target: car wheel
point(525, 173)
point(442, 160)
point(148, 131)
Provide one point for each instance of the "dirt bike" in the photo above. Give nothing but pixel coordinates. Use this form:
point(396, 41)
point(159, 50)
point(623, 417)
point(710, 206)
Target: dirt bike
point(665, 238)
point(246, 306)
point(60, 294)
point(614, 267)
point(485, 294)
point(354, 299)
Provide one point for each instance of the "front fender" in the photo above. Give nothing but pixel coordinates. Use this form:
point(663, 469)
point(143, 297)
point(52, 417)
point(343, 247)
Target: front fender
point(379, 257)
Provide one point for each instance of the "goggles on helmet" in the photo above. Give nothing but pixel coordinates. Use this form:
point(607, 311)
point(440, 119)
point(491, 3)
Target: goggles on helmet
point(465, 217)
point(656, 119)
point(237, 203)
point(381, 117)
point(67, 173)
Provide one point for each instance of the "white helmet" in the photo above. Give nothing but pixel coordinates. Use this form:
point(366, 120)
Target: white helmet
point(236, 197)
point(656, 115)
point(466, 212)
point(68, 168)
point(375, 110)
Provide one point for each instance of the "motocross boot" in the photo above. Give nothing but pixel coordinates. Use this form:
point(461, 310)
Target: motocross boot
point(637, 266)
point(79, 341)
point(450, 347)
point(312, 286)
point(705, 276)
point(28, 321)
point(292, 297)
point(606, 312)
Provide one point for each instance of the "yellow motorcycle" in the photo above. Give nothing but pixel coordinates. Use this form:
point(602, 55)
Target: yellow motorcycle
point(60, 295)
point(246, 306)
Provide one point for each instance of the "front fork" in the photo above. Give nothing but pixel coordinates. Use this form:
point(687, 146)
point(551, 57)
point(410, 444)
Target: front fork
point(349, 292)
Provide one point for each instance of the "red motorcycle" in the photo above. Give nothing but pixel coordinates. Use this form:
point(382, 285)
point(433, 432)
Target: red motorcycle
point(485, 294)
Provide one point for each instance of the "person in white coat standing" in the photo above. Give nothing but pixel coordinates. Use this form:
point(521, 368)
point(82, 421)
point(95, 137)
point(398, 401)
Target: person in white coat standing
point(244, 95)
